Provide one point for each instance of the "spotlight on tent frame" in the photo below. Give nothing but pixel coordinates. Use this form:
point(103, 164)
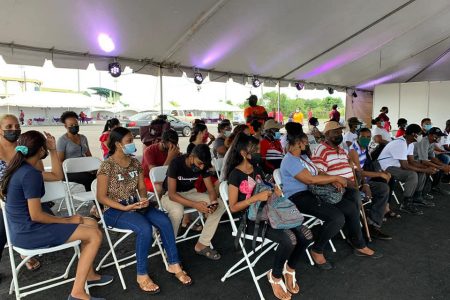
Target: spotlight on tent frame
point(330, 90)
point(299, 85)
point(198, 78)
point(354, 94)
point(114, 69)
point(256, 82)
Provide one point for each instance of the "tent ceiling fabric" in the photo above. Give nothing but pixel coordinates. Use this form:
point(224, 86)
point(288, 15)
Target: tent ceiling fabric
point(343, 43)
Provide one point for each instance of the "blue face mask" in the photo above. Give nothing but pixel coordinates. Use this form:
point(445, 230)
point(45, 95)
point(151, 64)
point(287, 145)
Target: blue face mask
point(382, 123)
point(427, 127)
point(277, 135)
point(129, 149)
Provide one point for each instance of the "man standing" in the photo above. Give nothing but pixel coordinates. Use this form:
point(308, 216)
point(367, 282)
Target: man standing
point(277, 116)
point(298, 116)
point(22, 117)
point(335, 115)
point(254, 112)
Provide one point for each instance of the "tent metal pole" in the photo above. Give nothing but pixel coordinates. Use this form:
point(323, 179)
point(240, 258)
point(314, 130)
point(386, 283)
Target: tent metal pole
point(161, 89)
point(279, 90)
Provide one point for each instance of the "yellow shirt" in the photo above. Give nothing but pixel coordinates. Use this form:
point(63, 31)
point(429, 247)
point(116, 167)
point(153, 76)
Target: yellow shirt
point(298, 117)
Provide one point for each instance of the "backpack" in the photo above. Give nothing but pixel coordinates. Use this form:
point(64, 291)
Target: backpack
point(152, 133)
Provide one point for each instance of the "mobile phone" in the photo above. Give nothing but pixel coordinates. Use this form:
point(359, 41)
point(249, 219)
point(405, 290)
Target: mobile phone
point(213, 205)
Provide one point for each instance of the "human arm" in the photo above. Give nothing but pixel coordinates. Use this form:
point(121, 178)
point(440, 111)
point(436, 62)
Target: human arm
point(354, 157)
point(88, 151)
point(201, 206)
point(236, 206)
point(411, 165)
point(56, 173)
point(102, 195)
point(39, 216)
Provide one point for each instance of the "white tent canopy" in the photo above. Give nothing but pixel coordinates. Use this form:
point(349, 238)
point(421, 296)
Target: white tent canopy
point(349, 43)
point(52, 100)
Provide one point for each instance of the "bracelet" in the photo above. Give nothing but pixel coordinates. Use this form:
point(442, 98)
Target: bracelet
point(51, 149)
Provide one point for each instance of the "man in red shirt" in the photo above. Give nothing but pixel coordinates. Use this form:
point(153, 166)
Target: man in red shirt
point(160, 154)
point(254, 112)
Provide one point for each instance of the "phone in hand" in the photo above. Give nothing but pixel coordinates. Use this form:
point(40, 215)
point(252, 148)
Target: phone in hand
point(213, 205)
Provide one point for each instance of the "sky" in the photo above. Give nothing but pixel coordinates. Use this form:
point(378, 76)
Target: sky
point(142, 91)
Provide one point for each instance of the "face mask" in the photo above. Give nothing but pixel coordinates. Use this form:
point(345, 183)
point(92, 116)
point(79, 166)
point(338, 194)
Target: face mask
point(254, 159)
point(382, 124)
point(45, 155)
point(74, 129)
point(358, 127)
point(195, 169)
point(317, 124)
point(277, 135)
point(129, 149)
point(427, 127)
point(364, 141)
point(419, 138)
point(205, 137)
point(227, 133)
point(337, 140)
point(11, 135)
point(297, 110)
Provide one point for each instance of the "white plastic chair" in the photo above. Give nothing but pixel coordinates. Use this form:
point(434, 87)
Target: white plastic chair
point(54, 191)
point(218, 164)
point(267, 244)
point(157, 175)
point(309, 220)
point(77, 165)
point(122, 262)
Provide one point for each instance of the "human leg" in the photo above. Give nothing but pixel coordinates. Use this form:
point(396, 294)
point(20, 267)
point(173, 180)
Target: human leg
point(175, 211)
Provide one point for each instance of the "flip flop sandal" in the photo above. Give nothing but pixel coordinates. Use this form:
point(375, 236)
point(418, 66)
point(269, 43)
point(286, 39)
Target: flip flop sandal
point(33, 264)
point(180, 276)
point(145, 285)
point(294, 280)
point(280, 283)
point(392, 215)
point(209, 253)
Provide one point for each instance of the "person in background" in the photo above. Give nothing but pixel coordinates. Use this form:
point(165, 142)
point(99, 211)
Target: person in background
point(224, 129)
point(83, 117)
point(109, 125)
point(292, 242)
point(334, 114)
point(270, 147)
point(293, 128)
point(379, 135)
point(298, 116)
point(254, 112)
point(277, 116)
point(257, 128)
point(373, 183)
point(291, 117)
point(22, 117)
point(228, 142)
point(119, 178)
point(314, 131)
point(444, 146)
point(72, 145)
point(352, 134)
point(182, 174)
point(310, 113)
point(426, 125)
point(157, 155)
point(401, 123)
point(199, 135)
point(32, 228)
point(384, 117)
point(394, 159)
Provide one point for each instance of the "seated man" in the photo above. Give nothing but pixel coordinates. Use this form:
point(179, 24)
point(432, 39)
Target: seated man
point(270, 146)
point(394, 159)
point(442, 148)
point(182, 174)
point(219, 147)
point(377, 183)
point(332, 160)
point(424, 153)
point(160, 154)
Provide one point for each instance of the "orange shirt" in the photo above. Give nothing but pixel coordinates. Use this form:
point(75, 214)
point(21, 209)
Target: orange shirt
point(254, 111)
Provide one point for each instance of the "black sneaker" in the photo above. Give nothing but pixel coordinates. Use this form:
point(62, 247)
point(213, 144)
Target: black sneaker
point(420, 201)
point(410, 209)
point(376, 233)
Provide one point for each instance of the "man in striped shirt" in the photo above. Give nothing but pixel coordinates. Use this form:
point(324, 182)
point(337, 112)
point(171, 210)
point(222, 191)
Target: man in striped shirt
point(374, 183)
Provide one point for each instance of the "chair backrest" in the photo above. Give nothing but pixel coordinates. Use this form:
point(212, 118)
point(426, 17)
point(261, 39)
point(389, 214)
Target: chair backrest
point(81, 164)
point(158, 174)
point(223, 189)
point(277, 177)
point(218, 164)
point(97, 204)
point(55, 190)
point(5, 221)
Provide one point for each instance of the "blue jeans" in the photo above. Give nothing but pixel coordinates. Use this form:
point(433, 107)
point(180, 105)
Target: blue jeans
point(141, 224)
point(445, 158)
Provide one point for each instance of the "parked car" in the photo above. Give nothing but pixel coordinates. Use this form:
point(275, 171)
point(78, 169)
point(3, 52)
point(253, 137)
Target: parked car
point(238, 119)
point(146, 117)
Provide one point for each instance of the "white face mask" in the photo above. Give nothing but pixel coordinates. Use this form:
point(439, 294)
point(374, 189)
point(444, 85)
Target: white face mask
point(227, 133)
point(419, 138)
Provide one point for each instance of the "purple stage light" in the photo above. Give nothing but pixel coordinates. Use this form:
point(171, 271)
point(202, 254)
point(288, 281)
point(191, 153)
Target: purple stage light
point(114, 69)
point(299, 85)
point(105, 42)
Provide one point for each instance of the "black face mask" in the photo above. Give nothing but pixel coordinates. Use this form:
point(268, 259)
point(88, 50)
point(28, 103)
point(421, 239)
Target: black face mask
point(74, 129)
point(337, 140)
point(195, 169)
point(255, 159)
point(11, 135)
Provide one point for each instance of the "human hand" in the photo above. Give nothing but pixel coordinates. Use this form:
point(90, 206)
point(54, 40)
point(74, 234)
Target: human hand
point(341, 181)
point(366, 189)
point(213, 206)
point(278, 192)
point(50, 142)
point(212, 138)
point(385, 176)
point(202, 207)
point(144, 203)
point(173, 151)
point(264, 195)
point(75, 219)
point(430, 171)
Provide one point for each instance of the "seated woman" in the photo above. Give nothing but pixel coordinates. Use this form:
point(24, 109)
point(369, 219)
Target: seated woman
point(73, 145)
point(292, 242)
point(33, 228)
point(199, 136)
point(297, 172)
point(380, 136)
point(119, 178)
point(224, 129)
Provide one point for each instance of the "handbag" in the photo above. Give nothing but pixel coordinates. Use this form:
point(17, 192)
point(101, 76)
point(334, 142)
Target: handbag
point(328, 193)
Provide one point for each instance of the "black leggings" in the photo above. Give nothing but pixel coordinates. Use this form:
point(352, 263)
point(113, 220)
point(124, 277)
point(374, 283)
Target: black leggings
point(334, 216)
